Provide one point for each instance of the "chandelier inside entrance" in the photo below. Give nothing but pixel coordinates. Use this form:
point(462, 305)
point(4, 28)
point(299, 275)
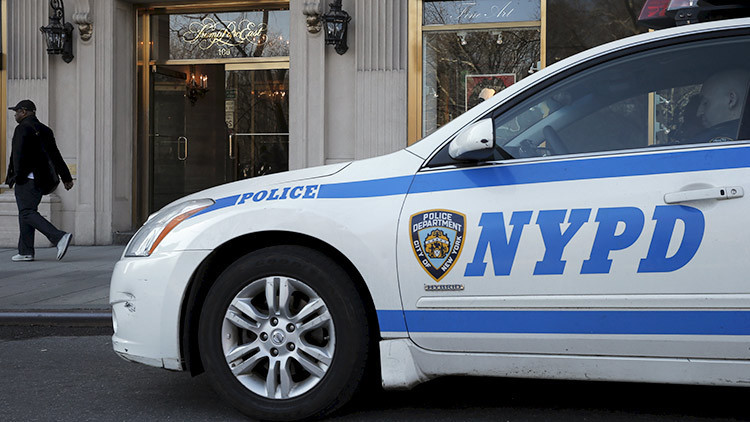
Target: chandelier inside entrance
point(197, 86)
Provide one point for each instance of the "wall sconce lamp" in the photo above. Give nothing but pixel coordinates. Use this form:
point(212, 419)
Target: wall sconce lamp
point(58, 35)
point(197, 87)
point(336, 23)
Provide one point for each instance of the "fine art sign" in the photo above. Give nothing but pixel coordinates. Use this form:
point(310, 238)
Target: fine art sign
point(452, 12)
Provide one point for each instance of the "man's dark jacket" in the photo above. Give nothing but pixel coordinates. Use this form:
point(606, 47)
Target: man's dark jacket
point(31, 140)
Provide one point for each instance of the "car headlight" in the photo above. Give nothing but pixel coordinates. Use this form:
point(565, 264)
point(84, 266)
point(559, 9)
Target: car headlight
point(160, 224)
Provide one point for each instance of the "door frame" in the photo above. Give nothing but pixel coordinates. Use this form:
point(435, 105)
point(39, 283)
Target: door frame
point(142, 160)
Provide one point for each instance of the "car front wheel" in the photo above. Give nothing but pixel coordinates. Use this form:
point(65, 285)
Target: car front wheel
point(283, 334)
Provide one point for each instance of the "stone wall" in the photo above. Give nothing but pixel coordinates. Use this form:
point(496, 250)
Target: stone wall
point(89, 103)
point(351, 106)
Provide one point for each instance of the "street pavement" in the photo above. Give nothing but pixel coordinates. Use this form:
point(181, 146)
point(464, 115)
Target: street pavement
point(71, 374)
point(75, 287)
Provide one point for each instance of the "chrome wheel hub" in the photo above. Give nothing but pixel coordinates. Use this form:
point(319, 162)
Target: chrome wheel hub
point(278, 337)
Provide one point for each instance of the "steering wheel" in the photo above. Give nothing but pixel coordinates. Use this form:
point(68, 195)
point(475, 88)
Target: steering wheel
point(555, 145)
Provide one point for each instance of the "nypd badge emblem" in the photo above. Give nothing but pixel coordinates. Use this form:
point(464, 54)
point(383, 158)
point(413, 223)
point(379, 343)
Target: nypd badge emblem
point(437, 237)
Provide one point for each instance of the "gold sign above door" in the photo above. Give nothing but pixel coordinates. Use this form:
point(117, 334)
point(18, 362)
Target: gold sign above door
point(209, 33)
point(220, 35)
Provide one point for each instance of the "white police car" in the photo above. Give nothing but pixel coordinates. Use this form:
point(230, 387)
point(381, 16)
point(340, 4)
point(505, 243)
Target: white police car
point(588, 222)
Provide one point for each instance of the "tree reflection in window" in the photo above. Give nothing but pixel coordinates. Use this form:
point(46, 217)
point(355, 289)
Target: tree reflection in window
point(451, 56)
point(261, 116)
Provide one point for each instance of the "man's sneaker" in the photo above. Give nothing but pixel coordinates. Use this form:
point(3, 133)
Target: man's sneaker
point(21, 258)
point(62, 246)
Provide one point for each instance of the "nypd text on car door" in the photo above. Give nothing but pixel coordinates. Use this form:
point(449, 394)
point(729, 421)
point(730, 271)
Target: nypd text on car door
point(584, 233)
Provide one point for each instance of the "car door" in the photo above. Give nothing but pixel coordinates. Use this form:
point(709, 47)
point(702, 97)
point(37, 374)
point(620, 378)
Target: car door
point(610, 220)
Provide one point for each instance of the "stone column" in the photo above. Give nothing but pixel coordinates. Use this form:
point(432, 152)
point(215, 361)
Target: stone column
point(306, 88)
point(381, 77)
point(28, 64)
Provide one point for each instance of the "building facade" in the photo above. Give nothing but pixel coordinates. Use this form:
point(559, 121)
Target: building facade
point(166, 98)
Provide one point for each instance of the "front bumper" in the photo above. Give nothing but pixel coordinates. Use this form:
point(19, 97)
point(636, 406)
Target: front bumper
point(146, 295)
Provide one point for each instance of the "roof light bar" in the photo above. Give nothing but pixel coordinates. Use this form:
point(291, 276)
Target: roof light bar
point(659, 14)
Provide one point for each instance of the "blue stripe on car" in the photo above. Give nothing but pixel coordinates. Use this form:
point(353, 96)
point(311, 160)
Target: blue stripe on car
point(551, 171)
point(219, 204)
point(508, 174)
point(636, 322)
point(366, 188)
point(583, 169)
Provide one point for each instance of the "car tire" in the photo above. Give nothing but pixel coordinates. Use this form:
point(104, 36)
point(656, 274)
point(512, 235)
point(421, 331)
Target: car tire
point(283, 334)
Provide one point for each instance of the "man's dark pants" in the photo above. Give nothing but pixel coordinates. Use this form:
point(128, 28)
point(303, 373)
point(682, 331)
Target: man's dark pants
point(28, 198)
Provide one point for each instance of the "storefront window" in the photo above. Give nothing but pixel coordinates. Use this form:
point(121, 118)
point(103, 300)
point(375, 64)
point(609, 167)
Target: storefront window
point(463, 68)
point(471, 50)
point(226, 35)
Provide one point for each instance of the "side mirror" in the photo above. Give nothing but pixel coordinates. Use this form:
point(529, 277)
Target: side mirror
point(475, 142)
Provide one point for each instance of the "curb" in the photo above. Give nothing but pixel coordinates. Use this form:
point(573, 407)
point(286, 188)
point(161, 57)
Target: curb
point(57, 318)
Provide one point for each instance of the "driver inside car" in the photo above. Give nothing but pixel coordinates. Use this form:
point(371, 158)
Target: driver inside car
point(722, 99)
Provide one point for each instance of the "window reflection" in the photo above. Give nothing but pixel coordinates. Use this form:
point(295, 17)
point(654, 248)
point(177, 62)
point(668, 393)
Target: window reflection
point(463, 68)
point(257, 114)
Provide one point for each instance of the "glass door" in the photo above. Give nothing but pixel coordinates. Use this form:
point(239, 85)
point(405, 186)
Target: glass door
point(257, 115)
point(205, 134)
point(213, 97)
point(188, 133)
point(167, 134)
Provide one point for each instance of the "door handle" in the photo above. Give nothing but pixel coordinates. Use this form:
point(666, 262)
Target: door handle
point(231, 145)
point(182, 140)
point(725, 192)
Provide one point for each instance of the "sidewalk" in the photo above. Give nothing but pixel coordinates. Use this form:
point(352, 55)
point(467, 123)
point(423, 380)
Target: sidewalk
point(73, 288)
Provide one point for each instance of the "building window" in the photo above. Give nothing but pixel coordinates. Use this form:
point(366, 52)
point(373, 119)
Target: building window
point(469, 51)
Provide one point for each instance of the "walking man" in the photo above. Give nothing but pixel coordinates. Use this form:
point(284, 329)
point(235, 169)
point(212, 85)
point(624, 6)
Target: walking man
point(35, 163)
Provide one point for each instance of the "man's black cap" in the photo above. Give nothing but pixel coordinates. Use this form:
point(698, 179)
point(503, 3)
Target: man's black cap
point(24, 104)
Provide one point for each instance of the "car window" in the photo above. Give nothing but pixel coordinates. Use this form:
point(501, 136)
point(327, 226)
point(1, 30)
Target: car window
point(685, 94)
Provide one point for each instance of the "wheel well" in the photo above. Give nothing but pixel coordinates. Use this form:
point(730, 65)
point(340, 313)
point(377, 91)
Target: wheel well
point(223, 256)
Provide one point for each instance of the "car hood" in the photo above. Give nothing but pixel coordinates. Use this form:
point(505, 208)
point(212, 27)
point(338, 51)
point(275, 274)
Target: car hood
point(265, 181)
point(389, 173)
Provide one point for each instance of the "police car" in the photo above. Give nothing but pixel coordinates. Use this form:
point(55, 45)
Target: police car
point(588, 222)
